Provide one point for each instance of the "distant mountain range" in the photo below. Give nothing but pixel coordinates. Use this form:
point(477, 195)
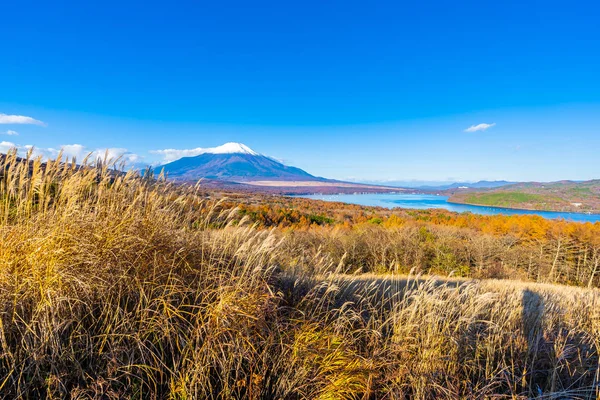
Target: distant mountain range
point(468, 185)
point(234, 162)
point(428, 186)
point(237, 163)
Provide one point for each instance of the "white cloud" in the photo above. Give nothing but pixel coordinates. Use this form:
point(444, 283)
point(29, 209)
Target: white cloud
point(115, 153)
point(10, 133)
point(23, 149)
point(19, 119)
point(74, 150)
point(6, 146)
point(78, 151)
point(479, 127)
point(175, 154)
point(170, 155)
point(48, 153)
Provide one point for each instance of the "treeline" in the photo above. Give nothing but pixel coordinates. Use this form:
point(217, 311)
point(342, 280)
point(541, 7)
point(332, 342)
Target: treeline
point(367, 239)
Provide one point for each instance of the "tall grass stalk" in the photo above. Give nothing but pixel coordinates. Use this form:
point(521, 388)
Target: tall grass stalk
point(115, 285)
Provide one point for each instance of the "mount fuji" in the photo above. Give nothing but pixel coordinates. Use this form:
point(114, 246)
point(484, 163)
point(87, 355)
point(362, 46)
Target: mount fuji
point(233, 162)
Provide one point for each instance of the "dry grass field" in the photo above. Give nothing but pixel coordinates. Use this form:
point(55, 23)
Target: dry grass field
point(120, 286)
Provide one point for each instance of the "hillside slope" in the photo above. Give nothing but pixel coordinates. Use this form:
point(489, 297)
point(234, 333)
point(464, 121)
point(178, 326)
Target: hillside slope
point(233, 167)
point(567, 196)
point(234, 162)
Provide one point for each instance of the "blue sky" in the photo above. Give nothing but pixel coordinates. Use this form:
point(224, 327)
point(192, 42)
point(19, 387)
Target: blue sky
point(347, 90)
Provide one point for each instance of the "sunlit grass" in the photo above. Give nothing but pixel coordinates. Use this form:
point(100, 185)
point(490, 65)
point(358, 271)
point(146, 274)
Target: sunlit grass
point(113, 285)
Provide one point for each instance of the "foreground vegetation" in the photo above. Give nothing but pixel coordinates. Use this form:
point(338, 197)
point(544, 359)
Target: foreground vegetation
point(118, 286)
point(369, 239)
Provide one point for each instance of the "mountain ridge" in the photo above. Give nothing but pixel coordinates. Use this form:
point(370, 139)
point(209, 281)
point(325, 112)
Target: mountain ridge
point(564, 195)
point(234, 162)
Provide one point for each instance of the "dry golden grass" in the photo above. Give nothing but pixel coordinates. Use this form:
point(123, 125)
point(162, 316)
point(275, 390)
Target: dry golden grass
point(119, 286)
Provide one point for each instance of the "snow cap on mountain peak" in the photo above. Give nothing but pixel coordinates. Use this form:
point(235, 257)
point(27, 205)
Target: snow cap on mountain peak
point(231, 148)
point(171, 155)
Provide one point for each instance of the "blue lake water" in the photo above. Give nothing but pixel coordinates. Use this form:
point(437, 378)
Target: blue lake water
point(423, 201)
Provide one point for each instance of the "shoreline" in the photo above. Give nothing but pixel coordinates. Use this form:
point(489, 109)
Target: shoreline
point(550, 214)
point(524, 208)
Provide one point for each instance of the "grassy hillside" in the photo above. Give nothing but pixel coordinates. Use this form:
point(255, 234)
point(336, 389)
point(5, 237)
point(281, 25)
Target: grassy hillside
point(511, 199)
point(557, 196)
point(116, 286)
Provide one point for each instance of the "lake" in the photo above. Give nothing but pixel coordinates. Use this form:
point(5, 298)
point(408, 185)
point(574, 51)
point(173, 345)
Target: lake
point(423, 201)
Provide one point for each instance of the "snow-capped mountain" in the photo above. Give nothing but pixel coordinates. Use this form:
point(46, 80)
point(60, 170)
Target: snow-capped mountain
point(230, 148)
point(233, 162)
